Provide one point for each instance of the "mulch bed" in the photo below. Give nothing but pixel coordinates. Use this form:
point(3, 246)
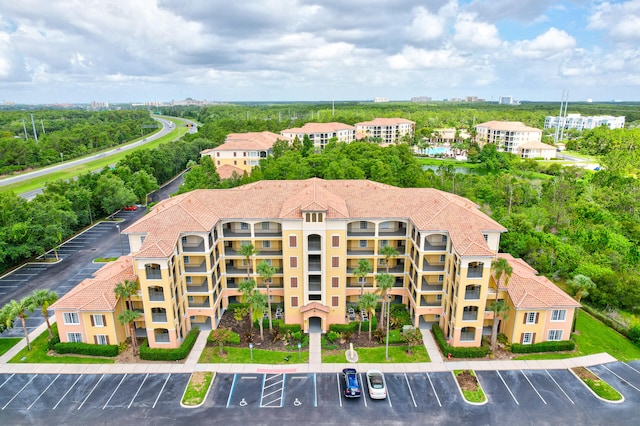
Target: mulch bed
point(466, 381)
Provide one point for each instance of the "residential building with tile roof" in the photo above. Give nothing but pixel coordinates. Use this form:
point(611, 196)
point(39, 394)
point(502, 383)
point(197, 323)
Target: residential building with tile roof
point(536, 149)
point(321, 133)
point(388, 130)
point(506, 135)
point(186, 256)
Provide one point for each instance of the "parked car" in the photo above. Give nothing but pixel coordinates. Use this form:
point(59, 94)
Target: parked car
point(352, 388)
point(130, 208)
point(377, 385)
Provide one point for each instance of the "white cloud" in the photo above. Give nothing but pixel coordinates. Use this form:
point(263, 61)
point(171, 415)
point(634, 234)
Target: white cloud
point(620, 20)
point(473, 34)
point(546, 46)
point(414, 58)
point(426, 25)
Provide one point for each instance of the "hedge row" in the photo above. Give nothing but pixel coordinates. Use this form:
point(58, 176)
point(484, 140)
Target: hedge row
point(632, 333)
point(353, 326)
point(474, 352)
point(157, 354)
point(557, 346)
point(86, 349)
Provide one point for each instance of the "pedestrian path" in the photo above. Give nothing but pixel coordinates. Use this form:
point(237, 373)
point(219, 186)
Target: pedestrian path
point(314, 365)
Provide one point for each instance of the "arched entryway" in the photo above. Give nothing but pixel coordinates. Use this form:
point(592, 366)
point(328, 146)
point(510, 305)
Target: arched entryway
point(314, 315)
point(315, 325)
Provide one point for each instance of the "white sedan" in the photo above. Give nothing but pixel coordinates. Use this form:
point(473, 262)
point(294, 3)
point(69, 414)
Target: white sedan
point(376, 384)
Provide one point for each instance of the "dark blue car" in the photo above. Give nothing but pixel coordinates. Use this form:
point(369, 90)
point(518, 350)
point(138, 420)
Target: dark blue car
point(352, 387)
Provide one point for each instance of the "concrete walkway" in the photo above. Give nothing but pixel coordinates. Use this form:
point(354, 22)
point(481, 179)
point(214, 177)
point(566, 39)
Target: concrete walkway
point(315, 364)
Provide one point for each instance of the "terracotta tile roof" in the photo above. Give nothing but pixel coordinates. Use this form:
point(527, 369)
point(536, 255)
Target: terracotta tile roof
point(511, 126)
point(536, 145)
point(318, 128)
point(96, 294)
point(314, 305)
point(429, 209)
point(385, 122)
point(226, 171)
point(530, 291)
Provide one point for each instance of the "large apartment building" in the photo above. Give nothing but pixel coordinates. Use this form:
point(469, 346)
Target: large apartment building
point(388, 130)
point(185, 255)
point(506, 135)
point(241, 152)
point(321, 133)
point(576, 121)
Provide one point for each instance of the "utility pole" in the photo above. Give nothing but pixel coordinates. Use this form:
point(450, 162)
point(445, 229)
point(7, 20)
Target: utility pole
point(564, 119)
point(42, 124)
point(35, 134)
point(24, 126)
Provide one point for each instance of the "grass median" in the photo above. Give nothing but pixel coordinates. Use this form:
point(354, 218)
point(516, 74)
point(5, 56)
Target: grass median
point(234, 355)
point(397, 354)
point(7, 343)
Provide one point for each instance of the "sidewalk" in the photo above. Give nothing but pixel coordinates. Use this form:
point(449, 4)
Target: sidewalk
point(315, 364)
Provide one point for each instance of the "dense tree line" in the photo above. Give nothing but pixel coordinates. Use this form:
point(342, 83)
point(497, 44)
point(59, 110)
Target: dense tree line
point(64, 134)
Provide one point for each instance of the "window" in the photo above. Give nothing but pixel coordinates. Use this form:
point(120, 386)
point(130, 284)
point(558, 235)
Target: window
point(444, 239)
point(294, 282)
point(555, 335)
point(384, 243)
point(74, 337)
point(97, 320)
point(269, 262)
point(266, 244)
point(335, 241)
point(265, 226)
point(486, 237)
point(438, 297)
point(101, 339)
point(363, 224)
point(382, 262)
point(335, 262)
point(142, 239)
point(244, 243)
point(335, 301)
point(294, 301)
point(531, 318)
point(184, 240)
point(558, 315)
point(293, 262)
point(188, 280)
point(71, 318)
point(293, 241)
point(335, 282)
point(440, 278)
point(443, 257)
point(244, 226)
point(385, 225)
point(187, 260)
point(527, 338)
point(363, 243)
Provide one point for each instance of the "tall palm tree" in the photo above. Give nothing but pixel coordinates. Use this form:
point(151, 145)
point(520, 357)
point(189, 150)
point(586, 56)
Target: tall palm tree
point(580, 284)
point(388, 252)
point(6, 321)
point(385, 283)
point(258, 303)
point(21, 310)
point(248, 288)
point(45, 298)
point(248, 251)
point(368, 303)
point(500, 267)
point(125, 290)
point(128, 317)
point(364, 268)
point(267, 271)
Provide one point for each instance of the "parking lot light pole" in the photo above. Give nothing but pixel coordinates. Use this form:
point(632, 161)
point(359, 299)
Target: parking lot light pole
point(299, 346)
point(251, 351)
point(387, 345)
point(120, 238)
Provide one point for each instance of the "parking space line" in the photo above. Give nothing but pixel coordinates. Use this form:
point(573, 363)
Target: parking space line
point(17, 393)
point(42, 393)
point(560, 387)
point(506, 386)
point(89, 394)
point(434, 392)
point(534, 388)
point(275, 382)
point(67, 392)
point(161, 390)
point(410, 390)
point(624, 363)
point(138, 391)
point(114, 392)
point(623, 380)
point(315, 391)
point(364, 396)
point(233, 384)
point(339, 393)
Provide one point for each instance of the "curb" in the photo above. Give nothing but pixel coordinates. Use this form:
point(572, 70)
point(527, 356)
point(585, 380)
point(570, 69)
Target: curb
point(486, 397)
point(620, 401)
point(206, 395)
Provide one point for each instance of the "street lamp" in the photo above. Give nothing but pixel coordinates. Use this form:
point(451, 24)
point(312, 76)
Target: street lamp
point(299, 346)
point(120, 238)
point(389, 296)
point(251, 351)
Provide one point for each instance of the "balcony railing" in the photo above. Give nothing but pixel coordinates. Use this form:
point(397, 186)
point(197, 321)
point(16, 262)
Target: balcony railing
point(154, 275)
point(427, 267)
point(474, 273)
point(359, 252)
point(202, 288)
point(430, 287)
point(402, 232)
point(315, 287)
point(398, 269)
point(232, 270)
point(191, 248)
point(360, 233)
point(161, 338)
point(467, 336)
point(159, 317)
point(227, 233)
point(156, 297)
point(434, 247)
point(267, 252)
point(430, 303)
point(269, 233)
point(469, 316)
point(315, 246)
point(315, 266)
point(205, 304)
point(472, 295)
point(398, 282)
point(196, 268)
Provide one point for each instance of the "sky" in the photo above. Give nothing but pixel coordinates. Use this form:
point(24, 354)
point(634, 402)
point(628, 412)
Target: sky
point(78, 51)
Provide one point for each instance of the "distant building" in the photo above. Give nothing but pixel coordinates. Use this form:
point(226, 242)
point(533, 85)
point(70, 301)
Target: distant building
point(473, 99)
point(99, 105)
point(321, 133)
point(535, 149)
point(421, 99)
point(507, 100)
point(576, 121)
point(506, 135)
point(390, 130)
point(380, 99)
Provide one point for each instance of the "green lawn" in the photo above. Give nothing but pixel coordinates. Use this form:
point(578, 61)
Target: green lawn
point(39, 182)
point(197, 388)
point(377, 355)
point(595, 337)
point(234, 355)
point(7, 343)
point(38, 354)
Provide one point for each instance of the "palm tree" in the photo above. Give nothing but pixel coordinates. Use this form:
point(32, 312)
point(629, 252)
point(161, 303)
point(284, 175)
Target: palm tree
point(364, 268)
point(385, 282)
point(580, 284)
point(45, 298)
point(258, 303)
point(21, 309)
point(6, 321)
point(248, 288)
point(125, 290)
point(388, 252)
point(267, 271)
point(368, 303)
point(128, 317)
point(500, 267)
point(248, 251)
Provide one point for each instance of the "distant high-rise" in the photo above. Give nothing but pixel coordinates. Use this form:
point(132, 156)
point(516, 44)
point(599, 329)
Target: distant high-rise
point(507, 100)
point(421, 99)
point(576, 121)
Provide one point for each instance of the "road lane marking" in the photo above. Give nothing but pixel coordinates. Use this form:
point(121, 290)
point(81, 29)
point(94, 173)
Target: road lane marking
point(560, 387)
point(534, 388)
point(89, 394)
point(410, 390)
point(42, 393)
point(506, 386)
point(233, 384)
point(161, 390)
point(138, 391)
point(68, 390)
point(623, 380)
point(114, 391)
point(14, 396)
point(434, 392)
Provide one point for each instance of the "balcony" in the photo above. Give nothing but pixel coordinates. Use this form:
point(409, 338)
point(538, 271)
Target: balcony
point(315, 287)
point(360, 233)
point(430, 287)
point(230, 251)
point(315, 246)
point(472, 295)
point(265, 252)
point(159, 317)
point(427, 267)
point(399, 282)
point(359, 252)
point(156, 297)
point(470, 316)
point(276, 233)
point(227, 233)
point(434, 247)
point(430, 303)
point(402, 232)
point(204, 304)
point(154, 275)
point(232, 270)
point(474, 272)
point(203, 288)
point(196, 268)
point(191, 248)
point(355, 284)
point(315, 266)
point(467, 336)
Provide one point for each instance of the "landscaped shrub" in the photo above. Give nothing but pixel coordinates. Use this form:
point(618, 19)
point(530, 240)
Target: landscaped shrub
point(399, 316)
point(86, 349)
point(53, 342)
point(342, 328)
point(473, 352)
point(157, 354)
point(332, 336)
point(555, 346)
